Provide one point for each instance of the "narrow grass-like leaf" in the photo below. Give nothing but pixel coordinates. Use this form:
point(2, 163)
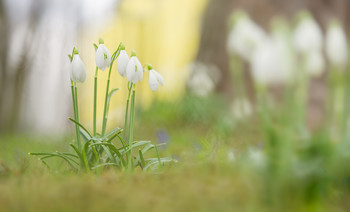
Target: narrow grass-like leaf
point(86, 162)
point(143, 163)
point(112, 132)
point(114, 149)
point(80, 125)
point(109, 154)
point(111, 93)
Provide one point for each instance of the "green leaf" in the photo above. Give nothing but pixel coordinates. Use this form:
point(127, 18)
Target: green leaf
point(84, 153)
point(142, 159)
point(112, 132)
point(80, 125)
point(85, 135)
point(111, 93)
point(115, 150)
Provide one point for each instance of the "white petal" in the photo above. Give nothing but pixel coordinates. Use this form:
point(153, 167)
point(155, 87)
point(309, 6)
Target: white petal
point(159, 78)
point(337, 46)
point(103, 57)
point(139, 69)
point(122, 62)
point(152, 80)
point(78, 69)
point(131, 74)
point(308, 36)
point(315, 64)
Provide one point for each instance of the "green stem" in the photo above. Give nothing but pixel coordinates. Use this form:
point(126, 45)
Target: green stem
point(126, 113)
point(104, 123)
point(76, 112)
point(131, 125)
point(95, 100)
point(105, 112)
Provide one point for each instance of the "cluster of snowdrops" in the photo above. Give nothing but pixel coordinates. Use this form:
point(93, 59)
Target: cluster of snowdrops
point(96, 151)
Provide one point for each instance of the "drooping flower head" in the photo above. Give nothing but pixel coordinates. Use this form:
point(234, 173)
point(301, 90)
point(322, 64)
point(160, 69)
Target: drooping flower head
point(154, 78)
point(308, 36)
point(103, 56)
point(336, 45)
point(77, 68)
point(134, 70)
point(122, 61)
point(245, 35)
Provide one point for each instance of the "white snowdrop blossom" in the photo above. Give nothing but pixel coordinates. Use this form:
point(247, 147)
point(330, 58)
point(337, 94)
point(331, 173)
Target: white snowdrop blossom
point(134, 70)
point(77, 69)
point(122, 62)
point(154, 79)
point(336, 45)
point(270, 64)
point(308, 35)
point(102, 57)
point(201, 84)
point(245, 37)
point(241, 109)
point(315, 64)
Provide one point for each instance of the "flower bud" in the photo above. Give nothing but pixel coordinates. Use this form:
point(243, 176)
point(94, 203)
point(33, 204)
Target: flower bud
point(103, 57)
point(336, 45)
point(134, 70)
point(308, 36)
point(122, 62)
point(77, 69)
point(154, 78)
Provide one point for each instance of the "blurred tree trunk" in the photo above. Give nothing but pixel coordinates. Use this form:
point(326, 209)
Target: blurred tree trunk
point(13, 77)
point(213, 41)
point(3, 64)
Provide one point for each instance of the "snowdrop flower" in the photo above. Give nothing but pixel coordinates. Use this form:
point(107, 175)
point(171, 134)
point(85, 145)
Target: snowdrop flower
point(308, 35)
point(336, 45)
point(231, 155)
point(245, 36)
point(268, 64)
point(154, 79)
point(134, 70)
point(315, 64)
point(102, 57)
point(77, 68)
point(241, 108)
point(200, 83)
point(122, 62)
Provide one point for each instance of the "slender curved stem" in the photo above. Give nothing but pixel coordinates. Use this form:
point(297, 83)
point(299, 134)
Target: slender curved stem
point(126, 113)
point(131, 125)
point(105, 112)
point(104, 123)
point(95, 101)
point(75, 114)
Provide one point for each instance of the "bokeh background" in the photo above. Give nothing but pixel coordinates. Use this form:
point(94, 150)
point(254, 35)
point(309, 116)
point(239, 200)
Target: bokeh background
point(175, 36)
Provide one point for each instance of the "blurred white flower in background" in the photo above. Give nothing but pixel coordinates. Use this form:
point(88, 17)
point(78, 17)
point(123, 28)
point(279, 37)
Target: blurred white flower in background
point(336, 45)
point(245, 36)
point(203, 78)
point(241, 109)
point(231, 155)
point(267, 66)
point(308, 36)
point(315, 64)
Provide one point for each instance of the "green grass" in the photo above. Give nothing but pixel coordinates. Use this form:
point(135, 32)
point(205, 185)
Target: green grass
point(314, 178)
